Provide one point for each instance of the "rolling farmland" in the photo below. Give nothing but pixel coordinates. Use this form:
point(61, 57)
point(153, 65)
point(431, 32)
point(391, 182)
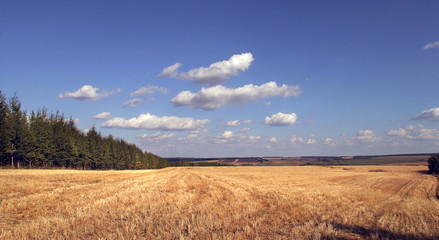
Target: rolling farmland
point(300, 202)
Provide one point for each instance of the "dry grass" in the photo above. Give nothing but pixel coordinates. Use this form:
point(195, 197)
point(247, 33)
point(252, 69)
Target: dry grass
point(306, 202)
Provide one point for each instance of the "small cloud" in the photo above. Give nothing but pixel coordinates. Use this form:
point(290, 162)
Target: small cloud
point(231, 137)
point(153, 122)
point(171, 71)
point(88, 92)
point(253, 138)
point(432, 45)
point(135, 102)
point(329, 142)
point(236, 123)
point(217, 73)
point(104, 115)
point(281, 119)
point(245, 130)
point(149, 90)
point(366, 136)
point(311, 141)
point(267, 103)
point(308, 79)
point(310, 122)
point(432, 113)
point(219, 96)
point(273, 140)
point(295, 139)
point(233, 123)
point(156, 137)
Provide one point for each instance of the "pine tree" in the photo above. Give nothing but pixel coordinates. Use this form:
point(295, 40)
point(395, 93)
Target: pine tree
point(5, 134)
point(19, 131)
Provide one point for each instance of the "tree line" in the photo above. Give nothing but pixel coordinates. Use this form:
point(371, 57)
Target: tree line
point(44, 140)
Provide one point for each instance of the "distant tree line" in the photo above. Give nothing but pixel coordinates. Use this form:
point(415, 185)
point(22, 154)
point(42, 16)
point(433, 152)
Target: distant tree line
point(44, 140)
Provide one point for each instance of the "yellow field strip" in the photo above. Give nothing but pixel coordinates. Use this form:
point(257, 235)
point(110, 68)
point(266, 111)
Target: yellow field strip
point(306, 202)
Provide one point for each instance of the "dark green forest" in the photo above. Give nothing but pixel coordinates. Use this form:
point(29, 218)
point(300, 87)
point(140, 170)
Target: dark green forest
point(50, 140)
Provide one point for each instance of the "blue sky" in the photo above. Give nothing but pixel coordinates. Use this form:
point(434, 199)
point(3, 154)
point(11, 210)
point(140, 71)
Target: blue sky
point(232, 78)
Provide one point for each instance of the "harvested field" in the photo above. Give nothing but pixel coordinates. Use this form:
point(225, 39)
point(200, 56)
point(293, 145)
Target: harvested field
point(308, 202)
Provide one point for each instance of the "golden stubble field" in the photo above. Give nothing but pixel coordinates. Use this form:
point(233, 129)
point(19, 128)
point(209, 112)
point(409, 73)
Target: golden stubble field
point(307, 202)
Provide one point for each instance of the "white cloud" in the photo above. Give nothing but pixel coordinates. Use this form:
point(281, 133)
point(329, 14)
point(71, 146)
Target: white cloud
point(281, 119)
point(233, 123)
point(216, 73)
point(219, 96)
point(135, 102)
point(104, 115)
point(245, 130)
point(273, 140)
point(295, 139)
point(432, 113)
point(156, 137)
point(366, 136)
point(236, 123)
point(194, 137)
point(152, 122)
point(267, 103)
point(416, 132)
point(171, 71)
point(431, 45)
point(88, 92)
point(148, 90)
point(253, 138)
point(231, 137)
point(329, 142)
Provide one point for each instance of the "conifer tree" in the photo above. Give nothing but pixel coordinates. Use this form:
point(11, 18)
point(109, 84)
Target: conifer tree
point(5, 134)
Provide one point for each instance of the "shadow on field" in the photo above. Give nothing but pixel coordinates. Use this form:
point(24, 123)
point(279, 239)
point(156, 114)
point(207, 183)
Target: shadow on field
point(374, 233)
point(426, 172)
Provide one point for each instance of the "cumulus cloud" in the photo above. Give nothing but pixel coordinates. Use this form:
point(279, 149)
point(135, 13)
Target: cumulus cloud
point(104, 115)
point(156, 137)
point(217, 73)
point(135, 102)
point(236, 123)
point(88, 92)
point(295, 139)
point(153, 122)
point(194, 137)
point(231, 137)
point(245, 130)
point(432, 113)
point(219, 96)
point(171, 71)
point(273, 140)
point(329, 142)
point(416, 132)
point(366, 136)
point(281, 119)
point(432, 45)
point(149, 90)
